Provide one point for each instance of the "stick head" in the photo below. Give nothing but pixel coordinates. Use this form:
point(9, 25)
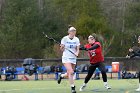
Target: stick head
point(44, 34)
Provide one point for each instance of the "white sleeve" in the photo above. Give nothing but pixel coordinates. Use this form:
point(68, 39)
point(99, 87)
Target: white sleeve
point(78, 42)
point(63, 41)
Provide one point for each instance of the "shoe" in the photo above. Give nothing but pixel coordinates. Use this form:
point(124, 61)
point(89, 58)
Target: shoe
point(107, 86)
point(138, 89)
point(59, 79)
point(73, 90)
point(82, 87)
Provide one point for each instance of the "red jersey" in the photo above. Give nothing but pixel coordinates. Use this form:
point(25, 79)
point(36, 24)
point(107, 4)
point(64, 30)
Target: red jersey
point(95, 55)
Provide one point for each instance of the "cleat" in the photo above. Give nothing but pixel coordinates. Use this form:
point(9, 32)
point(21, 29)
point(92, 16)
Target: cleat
point(73, 90)
point(138, 89)
point(107, 86)
point(59, 79)
point(82, 87)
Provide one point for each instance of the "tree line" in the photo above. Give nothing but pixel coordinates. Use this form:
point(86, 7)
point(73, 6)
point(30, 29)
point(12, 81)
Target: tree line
point(23, 21)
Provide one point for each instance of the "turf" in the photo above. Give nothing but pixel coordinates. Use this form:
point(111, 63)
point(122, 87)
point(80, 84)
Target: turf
point(50, 86)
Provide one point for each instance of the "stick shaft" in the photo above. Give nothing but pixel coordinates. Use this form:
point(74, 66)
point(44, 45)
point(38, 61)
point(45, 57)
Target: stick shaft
point(50, 38)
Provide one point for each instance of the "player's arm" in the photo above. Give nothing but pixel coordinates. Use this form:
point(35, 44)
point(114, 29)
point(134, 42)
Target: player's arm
point(77, 50)
point(134, 54)
point(62, 45)
point(131, 55)
point(137, 53)
point(78, 47)
point(95, 46)
point(82, 47)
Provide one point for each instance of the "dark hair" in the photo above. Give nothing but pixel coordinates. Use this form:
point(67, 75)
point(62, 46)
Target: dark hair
point(94, 35)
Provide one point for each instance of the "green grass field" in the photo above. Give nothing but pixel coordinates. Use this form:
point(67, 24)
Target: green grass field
point(94, 86)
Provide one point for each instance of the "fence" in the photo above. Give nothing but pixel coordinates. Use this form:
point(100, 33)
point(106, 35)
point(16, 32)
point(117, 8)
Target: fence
point(128, 64)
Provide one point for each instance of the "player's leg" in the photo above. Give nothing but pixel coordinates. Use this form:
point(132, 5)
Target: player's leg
point(89, 75)
point(73, 67)
point(139, 83)
point(101, 67)
point(70, 73)
point(65, 75)
point(61, 76)
point(72, 85)
point(139, 77)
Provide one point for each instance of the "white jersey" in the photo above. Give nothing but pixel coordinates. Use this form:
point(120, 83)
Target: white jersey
point(70, 44)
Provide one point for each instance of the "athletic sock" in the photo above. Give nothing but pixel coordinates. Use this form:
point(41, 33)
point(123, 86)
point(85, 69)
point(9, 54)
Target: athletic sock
point(105, 83)
point(72, 85)
point(84, 84)
point(62, 75)
point(74, 76)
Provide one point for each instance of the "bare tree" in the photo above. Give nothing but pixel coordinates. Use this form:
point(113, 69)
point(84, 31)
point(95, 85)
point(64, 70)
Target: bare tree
point(41, 4)
point(2, 3)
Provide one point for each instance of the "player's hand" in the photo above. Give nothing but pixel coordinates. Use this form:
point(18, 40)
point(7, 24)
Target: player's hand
point(82, 47)
point(130, 50)
point(62, 47)
point(128, 57)
point(86, 49)
point(77, 54)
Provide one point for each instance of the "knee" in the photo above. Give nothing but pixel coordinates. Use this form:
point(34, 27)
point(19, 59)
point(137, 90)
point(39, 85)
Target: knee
point(89, 75)
point(70, 72)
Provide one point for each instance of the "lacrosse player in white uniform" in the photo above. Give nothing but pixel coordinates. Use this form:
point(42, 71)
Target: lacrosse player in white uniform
point(70, 46)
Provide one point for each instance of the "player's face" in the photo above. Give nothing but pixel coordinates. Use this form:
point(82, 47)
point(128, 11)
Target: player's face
point(91, 40)
point(72, 33)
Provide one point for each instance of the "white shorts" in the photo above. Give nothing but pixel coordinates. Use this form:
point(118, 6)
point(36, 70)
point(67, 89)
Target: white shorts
point(68, 60)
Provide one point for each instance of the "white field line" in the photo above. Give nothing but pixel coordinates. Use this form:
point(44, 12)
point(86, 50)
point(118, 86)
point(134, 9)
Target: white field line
point(28, 89)
point(11, 90)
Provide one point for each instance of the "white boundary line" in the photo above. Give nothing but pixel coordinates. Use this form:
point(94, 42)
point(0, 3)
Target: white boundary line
point(11, 90)
point(28, 89)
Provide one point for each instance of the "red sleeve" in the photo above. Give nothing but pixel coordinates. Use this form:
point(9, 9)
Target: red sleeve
point(98, 43)
point(86, 46)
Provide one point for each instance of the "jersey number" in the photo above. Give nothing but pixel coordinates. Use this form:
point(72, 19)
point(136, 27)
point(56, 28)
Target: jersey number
point(71, 46)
